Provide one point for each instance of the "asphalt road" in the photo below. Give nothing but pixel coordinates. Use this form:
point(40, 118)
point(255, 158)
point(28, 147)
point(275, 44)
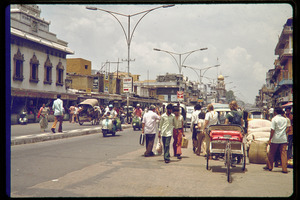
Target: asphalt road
point(94, 166)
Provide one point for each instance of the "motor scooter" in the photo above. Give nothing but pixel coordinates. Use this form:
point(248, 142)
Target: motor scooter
point(23, 118)
point(136, 123)
point(108, 126)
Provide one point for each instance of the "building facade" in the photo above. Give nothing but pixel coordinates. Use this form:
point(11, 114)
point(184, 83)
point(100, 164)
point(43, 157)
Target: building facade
point(278, 89)
point(38, 60)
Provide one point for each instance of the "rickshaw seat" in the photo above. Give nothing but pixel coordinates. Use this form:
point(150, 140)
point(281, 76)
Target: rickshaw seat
point(219, 135)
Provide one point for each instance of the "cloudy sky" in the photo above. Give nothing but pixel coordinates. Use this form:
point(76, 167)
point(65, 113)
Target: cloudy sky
point(240, 37)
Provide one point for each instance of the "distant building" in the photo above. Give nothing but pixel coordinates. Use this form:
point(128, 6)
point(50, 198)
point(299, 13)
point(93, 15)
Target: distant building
point(283, 75)
point(38, 60)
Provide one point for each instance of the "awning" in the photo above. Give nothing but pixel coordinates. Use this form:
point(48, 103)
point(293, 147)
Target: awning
point(40, 40)
point(288, 104)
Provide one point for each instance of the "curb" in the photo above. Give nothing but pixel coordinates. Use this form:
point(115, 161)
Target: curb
point(27, 139)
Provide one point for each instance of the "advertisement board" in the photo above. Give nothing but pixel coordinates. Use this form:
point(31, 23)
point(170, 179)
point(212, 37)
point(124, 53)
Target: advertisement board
point(127, 84)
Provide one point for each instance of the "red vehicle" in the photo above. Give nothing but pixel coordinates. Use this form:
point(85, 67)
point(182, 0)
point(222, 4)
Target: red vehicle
point(227, 142)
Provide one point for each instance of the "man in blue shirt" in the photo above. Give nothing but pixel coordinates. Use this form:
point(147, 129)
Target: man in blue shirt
point(58, 113)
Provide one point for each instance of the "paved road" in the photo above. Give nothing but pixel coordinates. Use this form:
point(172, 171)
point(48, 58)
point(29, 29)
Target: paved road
point(94, 166)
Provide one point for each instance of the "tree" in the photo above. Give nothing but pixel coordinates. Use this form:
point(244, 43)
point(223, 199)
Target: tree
point(230, 96)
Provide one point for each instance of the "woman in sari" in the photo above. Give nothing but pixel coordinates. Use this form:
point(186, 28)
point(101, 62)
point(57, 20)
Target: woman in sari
point(43, 115)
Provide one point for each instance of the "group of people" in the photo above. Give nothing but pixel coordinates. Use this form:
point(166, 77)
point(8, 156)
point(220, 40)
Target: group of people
point(281, 138)
point(170, 123)
point(201, 120)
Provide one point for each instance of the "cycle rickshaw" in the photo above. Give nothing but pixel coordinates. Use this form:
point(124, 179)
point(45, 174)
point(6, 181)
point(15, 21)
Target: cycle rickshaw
point(227, 142)
point(89, 112)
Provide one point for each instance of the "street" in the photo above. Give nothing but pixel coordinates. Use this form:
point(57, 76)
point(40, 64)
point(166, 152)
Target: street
point(97, 166)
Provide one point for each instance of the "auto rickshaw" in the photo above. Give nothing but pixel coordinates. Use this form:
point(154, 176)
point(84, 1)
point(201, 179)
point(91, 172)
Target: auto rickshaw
point(89, 111)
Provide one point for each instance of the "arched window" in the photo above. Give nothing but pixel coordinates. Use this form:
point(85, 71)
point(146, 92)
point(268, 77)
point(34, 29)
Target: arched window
point(59, 74)
point(18, 66)
point(34, 69)
point(48, 71)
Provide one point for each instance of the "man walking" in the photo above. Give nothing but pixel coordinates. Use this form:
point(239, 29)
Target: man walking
point(166, 126)
point(149, 127)
point(278, 139)
point(58, 113)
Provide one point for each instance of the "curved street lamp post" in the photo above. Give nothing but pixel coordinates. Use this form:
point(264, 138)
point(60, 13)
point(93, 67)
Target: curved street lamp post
point(200, 73)
point(179, 63)
point(129, 35)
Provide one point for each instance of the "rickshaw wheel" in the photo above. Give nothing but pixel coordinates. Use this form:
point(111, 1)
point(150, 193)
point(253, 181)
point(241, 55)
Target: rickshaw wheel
point(244, 159)
point(79, 122)
point(207, 160)
point(228, 163)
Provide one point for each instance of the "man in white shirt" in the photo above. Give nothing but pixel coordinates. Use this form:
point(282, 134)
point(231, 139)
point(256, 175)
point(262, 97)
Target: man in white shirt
point(149, 127)
point(166, 126)
point(211, 118)
point(58, 113)
point(278, 139)
point(194, 123)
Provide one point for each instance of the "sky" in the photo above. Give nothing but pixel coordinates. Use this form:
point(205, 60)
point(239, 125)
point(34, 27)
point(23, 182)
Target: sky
point(241, 38)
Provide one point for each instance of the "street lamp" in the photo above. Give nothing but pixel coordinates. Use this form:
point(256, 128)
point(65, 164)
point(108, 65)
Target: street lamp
point(179, 64)
point(129, 35)
point(200, 72)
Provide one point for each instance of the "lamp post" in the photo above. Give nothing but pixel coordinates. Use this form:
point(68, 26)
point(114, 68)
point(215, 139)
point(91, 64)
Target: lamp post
point(200, 72)
point(129, 34)
point(179, 63)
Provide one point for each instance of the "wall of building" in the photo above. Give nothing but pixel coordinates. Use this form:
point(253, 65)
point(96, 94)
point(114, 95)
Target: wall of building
point(79, 66)
point(39, 52)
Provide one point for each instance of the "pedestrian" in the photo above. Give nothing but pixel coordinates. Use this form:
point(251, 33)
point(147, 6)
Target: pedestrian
point(71, 112)
point(194, 123)
point(200, 133)
point(149, 128)
point(58, 113)
point(166, 126)
point(278, 140)
point(177, 132)
point(211, 118)
point(76, 112)
point(289, 133)
point(43, 115)
point(234, 116)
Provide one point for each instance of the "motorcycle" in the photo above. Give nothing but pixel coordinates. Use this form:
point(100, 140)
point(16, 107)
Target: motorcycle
point(136, 123)
point(108, 126)
point(23, 118)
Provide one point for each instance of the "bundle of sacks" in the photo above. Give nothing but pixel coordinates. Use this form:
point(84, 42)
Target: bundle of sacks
point(257, 140)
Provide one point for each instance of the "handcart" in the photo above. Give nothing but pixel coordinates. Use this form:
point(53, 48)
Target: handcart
point(89, 112)
point(227, 142)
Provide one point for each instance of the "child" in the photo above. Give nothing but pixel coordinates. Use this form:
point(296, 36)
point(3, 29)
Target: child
point(177, 132)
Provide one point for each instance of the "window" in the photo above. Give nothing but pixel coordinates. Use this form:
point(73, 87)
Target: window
point(34, 70)
point(18, 66)
point(59, 74)
point(86, 66)
point(48, 71)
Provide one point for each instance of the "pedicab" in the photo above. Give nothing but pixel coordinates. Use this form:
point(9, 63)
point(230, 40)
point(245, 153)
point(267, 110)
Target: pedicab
point(227, 142)
point(89, 111)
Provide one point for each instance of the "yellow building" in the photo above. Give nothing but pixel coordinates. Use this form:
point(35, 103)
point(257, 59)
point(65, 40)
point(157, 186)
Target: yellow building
point(79, 66)
point(79, 74)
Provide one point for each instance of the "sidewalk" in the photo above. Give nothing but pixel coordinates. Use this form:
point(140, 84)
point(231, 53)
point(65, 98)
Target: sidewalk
point(26, 139)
